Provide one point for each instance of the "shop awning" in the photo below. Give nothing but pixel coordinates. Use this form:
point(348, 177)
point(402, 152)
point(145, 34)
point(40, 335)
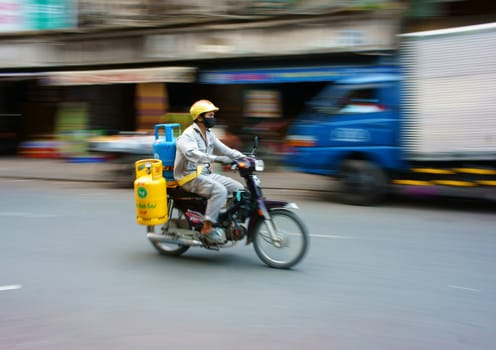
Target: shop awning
point(287, 75)
point(121, 76)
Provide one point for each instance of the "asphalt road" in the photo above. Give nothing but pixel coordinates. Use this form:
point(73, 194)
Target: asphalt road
point(76, 272)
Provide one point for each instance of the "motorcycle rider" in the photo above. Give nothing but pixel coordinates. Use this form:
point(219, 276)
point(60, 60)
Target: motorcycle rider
point(196, 148)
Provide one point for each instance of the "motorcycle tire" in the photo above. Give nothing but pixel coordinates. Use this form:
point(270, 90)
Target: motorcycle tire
point(293, 235)
point(169, 249)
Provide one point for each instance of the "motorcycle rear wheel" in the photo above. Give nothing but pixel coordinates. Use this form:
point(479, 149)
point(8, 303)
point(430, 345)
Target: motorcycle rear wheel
point(294, 240)
point(177, 220)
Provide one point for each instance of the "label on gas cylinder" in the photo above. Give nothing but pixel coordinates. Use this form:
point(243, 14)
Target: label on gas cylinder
point(142, 192)
point(146, 205)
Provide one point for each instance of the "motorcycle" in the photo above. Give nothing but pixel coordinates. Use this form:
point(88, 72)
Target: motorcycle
point(279, 236)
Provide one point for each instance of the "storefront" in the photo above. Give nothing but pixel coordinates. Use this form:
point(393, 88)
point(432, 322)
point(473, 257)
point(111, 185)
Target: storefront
point(51, 114)
point(270, 75)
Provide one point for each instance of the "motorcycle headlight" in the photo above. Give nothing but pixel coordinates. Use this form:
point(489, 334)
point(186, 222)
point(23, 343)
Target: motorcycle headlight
point(259, 165)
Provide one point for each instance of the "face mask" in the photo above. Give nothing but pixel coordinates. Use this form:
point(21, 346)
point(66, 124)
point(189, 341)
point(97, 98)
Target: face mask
point(209, 122)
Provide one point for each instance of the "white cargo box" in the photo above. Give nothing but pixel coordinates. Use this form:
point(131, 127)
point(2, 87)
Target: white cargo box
point(449, 93)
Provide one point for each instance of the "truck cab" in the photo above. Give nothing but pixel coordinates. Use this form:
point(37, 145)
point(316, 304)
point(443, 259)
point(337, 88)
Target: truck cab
point(350, 130)
point(442, 141)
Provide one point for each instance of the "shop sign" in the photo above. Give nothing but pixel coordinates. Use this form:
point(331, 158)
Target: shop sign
point(29, 15)
point(122, 76)
point(288, 75)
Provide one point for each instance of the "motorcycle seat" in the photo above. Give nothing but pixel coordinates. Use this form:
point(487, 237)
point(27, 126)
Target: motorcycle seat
point(178, 192)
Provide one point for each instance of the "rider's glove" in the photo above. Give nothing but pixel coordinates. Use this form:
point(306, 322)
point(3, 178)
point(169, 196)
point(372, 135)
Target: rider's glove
point(223, 160)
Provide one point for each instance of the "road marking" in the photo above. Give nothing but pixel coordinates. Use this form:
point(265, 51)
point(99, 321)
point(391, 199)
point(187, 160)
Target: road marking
point(331, 236)
point(464, 288)
point(26, 215)
point(11, 287)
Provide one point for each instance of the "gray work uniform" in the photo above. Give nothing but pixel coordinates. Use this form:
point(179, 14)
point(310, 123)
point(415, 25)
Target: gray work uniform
point(193, 150)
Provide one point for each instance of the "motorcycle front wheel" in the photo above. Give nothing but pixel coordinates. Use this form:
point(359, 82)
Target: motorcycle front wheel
point(290, 244)
point(177, 220)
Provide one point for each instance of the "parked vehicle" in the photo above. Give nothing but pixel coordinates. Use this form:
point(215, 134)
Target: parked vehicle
point(174, 217)
point(428, 123)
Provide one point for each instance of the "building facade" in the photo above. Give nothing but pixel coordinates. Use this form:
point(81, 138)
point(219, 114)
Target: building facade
point(83, 67)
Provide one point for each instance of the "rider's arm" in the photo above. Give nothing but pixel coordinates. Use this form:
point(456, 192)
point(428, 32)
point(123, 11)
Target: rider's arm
point(221, 149)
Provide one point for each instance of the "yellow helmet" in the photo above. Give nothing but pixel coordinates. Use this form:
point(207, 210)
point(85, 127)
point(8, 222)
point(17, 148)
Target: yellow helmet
point(202, 106)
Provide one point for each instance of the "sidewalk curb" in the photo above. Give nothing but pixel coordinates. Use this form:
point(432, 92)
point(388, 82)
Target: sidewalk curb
point(279, 178)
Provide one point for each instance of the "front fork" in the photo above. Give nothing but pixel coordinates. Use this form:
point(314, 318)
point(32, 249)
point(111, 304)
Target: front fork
point(263, 213)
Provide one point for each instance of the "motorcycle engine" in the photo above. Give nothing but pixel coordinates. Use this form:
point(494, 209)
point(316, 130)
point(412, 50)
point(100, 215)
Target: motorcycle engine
point(235, 233)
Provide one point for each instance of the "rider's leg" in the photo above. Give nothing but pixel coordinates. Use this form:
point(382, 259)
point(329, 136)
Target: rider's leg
point(230, 184)
point(216, 194)
point(218, 197)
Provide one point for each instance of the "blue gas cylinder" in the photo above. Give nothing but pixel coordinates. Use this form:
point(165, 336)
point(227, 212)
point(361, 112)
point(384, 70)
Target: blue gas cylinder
point(164, 147)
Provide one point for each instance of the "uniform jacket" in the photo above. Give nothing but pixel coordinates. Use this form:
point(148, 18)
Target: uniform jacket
point(193, 150)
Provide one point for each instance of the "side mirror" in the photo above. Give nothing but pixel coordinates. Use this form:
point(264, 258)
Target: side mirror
point(255, 145)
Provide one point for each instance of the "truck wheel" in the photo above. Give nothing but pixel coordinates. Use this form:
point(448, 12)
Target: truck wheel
point(361, 182)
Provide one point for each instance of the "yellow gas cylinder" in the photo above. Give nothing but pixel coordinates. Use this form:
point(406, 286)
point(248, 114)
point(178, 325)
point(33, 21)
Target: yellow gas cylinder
point(150, 193)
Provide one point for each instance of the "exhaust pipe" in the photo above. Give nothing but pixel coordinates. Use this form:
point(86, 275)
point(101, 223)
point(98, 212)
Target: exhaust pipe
point(164, 239)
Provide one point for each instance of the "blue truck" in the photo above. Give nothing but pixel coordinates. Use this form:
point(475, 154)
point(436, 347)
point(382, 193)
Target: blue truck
point(427, 123)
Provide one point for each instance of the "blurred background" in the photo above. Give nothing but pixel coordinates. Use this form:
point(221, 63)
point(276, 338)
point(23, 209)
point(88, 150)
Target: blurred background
point(86, 81)
point(73, 70)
